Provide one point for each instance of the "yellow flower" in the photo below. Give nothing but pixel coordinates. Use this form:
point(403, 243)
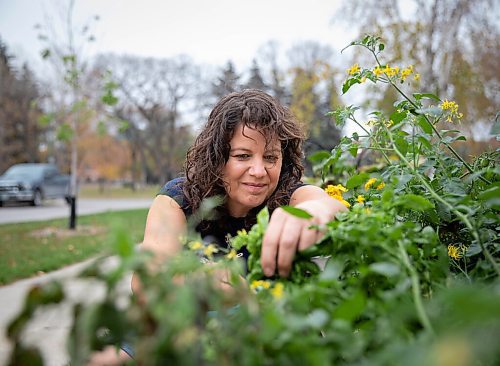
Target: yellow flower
point(242, 232)
point(260, 284)
point(353, 70)
point(195, 245)
point(406, 72)
point(232, 254)
point(277, 291)
point(378, 71)
point(452, 108)
point(336, 192)
point(455, 252)
point(390, 71)
point(343, 201)
point(380, 186)
point(449, 104)
point(370, 183)
point(360, 199)
point(209, 250)
point(416, 77)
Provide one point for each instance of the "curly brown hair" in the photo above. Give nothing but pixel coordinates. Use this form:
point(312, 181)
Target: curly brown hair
point(207, 157)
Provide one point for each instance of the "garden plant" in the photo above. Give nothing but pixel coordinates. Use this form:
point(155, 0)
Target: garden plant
point(412, 268)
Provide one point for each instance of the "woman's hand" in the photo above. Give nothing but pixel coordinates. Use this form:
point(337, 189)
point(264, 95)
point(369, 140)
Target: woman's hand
point(287, 233)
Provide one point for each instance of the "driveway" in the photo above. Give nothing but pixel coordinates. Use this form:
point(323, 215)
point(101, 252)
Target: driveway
point(53, 209)
point(49, 328)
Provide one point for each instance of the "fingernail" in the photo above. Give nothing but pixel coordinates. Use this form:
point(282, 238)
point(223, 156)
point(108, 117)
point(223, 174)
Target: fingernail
point(268, 272)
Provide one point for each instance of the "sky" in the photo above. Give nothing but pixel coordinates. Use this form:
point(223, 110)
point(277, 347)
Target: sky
point(211, 32)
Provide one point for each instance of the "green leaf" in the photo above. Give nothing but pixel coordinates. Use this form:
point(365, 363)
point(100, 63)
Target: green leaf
point(333, 270)
point(64, 132)
point(318, 156)
point(123, 244)
point(420, 96)
point(25, 355)
point(450, 139)
point(123, 126)
point(357, 180)
point(109, 99)
point(401, 144)
point(397, 117)
point(69, 58)
point(414, 202)
point(317, 318)
point(263, 218)
point(424, 140)
point(431, 111)
point(348, 83)
point(424, 124)
point(342, 114)
point(45, 119)
point(491, 196)
point(387, 269)
point(297, 212)
point(351, 308)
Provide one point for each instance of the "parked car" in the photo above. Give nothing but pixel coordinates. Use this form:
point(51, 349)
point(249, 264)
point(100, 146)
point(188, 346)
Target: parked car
point(33, 183)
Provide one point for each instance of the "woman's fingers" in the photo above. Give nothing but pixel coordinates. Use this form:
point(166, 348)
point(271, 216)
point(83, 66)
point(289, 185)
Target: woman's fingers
point(285, 235)
point(288, 242)
point(270, 242)
point(309, 236)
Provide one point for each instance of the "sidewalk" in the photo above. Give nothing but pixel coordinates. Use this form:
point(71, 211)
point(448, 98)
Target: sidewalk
point(49, 328)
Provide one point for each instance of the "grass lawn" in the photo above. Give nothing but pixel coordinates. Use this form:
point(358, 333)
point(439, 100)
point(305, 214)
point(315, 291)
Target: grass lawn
point(32, 248)
point(114, 191)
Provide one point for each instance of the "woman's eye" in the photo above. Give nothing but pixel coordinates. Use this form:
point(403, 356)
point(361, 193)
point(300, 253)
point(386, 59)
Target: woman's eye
point(271, 158)
point(242, 156)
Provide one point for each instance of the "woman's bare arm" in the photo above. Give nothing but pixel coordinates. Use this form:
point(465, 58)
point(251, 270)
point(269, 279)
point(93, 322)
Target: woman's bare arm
point(165, 224)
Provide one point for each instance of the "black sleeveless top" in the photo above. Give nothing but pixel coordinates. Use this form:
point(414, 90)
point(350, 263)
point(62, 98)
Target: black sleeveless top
point(219, 230)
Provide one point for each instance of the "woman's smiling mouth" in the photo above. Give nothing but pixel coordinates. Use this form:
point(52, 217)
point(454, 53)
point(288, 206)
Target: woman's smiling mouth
point(255, 188)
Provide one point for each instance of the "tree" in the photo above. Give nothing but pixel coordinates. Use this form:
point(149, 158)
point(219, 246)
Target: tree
point(255, 80)
point(71, 111)
point(19, 113)
point(313, 94)
point(227, 82)
point(107, 157)
point(269, 56)
point(154, 94)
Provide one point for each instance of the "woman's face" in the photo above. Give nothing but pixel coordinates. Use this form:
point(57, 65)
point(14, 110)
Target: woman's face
point(252, 171)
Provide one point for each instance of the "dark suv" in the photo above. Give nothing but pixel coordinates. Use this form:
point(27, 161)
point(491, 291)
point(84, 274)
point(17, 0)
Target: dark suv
point(33, 183)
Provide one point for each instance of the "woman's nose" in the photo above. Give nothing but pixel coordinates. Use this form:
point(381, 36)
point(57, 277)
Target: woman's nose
point(257, 168)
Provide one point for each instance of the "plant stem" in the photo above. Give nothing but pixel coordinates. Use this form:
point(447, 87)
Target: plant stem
point(371, 137)
point(415, 285)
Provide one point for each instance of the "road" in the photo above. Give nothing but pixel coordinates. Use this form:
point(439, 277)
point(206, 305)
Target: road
point(53, 209)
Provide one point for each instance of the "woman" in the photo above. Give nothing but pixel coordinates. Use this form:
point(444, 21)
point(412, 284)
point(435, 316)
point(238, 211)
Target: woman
point(250, 153)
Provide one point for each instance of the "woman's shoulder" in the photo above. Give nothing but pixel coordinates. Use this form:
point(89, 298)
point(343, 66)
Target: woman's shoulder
point(174, 189)
point(296, 186)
